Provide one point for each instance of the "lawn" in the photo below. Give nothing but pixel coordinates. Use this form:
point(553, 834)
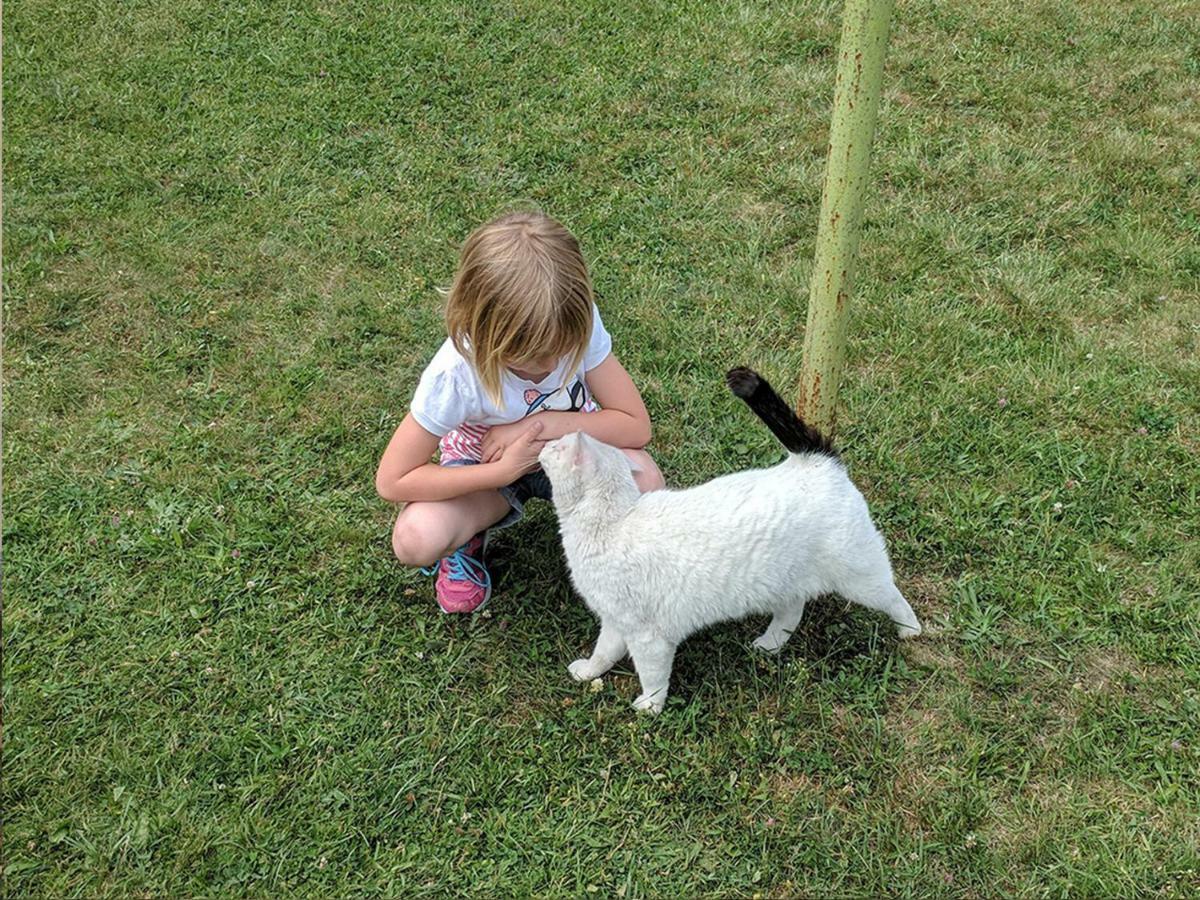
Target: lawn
point(224, 226)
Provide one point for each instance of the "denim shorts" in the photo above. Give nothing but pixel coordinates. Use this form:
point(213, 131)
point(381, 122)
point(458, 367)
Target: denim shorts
point(527, 487)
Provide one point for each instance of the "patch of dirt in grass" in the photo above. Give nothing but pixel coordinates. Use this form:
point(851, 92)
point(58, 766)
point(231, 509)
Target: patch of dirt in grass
point(1025, 820)
point(755, 209)
point(915, 726)
point(911, 790)
point(1167, 330)
point(927, 593)
point(1098, 672)
point(931, 650)
point(926, 734)
point(787, 785)
point(1044, 805)
point(1102, 669)
point(871, 369)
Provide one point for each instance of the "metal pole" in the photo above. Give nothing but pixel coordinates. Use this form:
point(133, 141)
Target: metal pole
point(855, 103)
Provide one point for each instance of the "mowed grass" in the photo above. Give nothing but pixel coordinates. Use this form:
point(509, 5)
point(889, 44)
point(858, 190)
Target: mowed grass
point(224, 226)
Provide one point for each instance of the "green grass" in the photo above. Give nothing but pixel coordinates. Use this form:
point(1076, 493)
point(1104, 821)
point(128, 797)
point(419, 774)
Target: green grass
point(224, 226)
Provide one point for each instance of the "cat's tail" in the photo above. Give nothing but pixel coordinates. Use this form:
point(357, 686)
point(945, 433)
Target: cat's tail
point(791, 430)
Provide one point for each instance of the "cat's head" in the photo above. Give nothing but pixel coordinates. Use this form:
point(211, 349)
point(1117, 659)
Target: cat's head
point(579, 467)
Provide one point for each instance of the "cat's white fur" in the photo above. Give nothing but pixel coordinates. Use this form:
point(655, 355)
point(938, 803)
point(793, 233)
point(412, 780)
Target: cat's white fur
point(657, 567)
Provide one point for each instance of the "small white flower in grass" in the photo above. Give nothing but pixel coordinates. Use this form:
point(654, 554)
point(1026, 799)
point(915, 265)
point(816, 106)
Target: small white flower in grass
point(250, 585)
point(235, 553)
point(322, 862)
point(1058, 507)
point(1002, 402)
point(971, 840)
point(419, 655)
point(208, 670)
point(1089, 356)
point(596, 685)
point(1143, 430)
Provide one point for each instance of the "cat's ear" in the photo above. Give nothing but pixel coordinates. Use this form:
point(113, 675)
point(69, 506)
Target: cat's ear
point(581, 453)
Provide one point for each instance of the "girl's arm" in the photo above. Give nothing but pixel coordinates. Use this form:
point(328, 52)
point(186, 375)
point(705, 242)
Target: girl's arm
point(405, 473)
point(622, 422)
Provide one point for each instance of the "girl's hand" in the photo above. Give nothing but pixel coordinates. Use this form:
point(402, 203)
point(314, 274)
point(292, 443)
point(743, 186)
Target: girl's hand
point(521, 456)
point(499, 437)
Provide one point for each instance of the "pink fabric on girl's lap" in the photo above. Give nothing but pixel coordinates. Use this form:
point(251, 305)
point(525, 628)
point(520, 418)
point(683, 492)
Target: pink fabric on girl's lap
point(464, 442)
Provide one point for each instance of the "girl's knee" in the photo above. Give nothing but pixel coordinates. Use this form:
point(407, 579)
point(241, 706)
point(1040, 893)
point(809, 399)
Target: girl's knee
point(647, 476)
point(414, 539)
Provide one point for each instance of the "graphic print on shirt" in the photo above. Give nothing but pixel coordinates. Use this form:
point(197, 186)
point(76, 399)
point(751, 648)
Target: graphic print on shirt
point(561, 399)
point(465, 443)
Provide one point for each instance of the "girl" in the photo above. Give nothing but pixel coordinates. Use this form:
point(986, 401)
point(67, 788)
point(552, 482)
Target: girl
point(527, 360)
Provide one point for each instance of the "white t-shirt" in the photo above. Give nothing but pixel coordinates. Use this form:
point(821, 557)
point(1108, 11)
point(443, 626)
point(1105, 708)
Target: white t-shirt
point(450, 400)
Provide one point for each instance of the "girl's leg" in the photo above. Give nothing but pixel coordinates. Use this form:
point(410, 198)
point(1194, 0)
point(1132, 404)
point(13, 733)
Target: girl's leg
point(649, 478)
point(427, 531)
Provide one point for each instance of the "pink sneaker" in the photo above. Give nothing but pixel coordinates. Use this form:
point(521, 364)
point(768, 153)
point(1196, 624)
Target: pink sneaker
point(463, 583)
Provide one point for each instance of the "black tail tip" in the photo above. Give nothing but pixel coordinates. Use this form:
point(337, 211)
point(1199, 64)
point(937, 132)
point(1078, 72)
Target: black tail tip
point(743, 382)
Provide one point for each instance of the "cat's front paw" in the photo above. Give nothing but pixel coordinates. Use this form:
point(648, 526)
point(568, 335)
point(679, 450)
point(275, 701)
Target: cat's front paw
point(651, 704)
point(583, 670)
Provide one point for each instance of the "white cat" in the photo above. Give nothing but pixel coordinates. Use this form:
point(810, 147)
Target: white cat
point(656, 567)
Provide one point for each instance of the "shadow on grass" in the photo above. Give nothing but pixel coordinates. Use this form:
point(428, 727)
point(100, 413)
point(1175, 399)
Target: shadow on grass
point(846, 652)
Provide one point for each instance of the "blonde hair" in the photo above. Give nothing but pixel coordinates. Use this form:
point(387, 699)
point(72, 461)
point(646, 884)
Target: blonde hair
point(521, 292)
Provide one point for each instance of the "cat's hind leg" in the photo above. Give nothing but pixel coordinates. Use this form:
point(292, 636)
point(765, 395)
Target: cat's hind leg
point(782, 625)
point(652, 657)
point(610, 650)
point(883, 595)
